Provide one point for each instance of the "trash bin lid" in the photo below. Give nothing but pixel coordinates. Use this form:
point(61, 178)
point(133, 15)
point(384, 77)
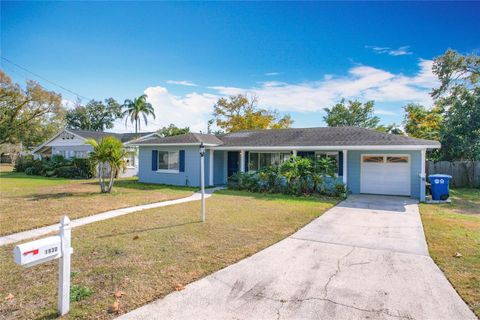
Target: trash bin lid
point(440, 176)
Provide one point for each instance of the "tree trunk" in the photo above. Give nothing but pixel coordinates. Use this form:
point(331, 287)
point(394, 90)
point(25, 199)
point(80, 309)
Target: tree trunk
point(112, 178)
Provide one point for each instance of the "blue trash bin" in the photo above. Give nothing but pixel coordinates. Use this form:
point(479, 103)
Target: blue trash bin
point(439, 185)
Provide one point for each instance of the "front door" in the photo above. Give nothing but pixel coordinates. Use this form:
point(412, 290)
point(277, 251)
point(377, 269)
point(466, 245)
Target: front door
point(233, 162)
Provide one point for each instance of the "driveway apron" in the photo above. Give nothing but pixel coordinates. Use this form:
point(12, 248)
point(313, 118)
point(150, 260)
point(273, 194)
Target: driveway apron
point(366, 258)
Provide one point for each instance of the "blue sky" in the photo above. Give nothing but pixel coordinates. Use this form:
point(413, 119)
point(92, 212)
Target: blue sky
point(295, 57)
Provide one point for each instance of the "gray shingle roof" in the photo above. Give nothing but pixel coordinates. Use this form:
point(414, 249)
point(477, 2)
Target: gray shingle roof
point(188, 138)
point(97, 135)
point(300, 137)
point(320, 136)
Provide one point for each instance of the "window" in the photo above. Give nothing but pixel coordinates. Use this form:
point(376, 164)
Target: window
point(374, 159)
point(80, 154)
point(168, 161)
point(131, 157)
point(258, 160)
point(397, 159)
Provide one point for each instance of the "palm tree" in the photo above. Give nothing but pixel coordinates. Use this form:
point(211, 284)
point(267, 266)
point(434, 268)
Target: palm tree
point(109, 156)
point(136, 108)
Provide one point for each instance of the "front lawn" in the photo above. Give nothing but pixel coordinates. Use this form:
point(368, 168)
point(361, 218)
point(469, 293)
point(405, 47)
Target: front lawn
point(144, 256)
point(29, 202)
point(455, 228)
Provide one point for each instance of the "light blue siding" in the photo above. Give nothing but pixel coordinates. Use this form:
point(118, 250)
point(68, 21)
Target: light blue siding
point(354, 165)
point(191, 176)
point(219, 170)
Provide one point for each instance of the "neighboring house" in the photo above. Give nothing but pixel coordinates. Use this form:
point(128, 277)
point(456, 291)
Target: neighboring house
point(368, 161)
point(70, 143)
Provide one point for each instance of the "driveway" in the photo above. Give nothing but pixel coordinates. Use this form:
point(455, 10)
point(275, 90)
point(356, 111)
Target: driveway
point(366, 258)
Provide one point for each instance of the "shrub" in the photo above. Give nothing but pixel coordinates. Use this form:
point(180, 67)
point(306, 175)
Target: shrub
point(68, 172)
point(79, 292)
point(37, 168)
point(297, 176)
point(86, 167)
point(22, 163)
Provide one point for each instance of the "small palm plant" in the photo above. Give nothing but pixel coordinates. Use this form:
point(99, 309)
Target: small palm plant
point(136, 108)
point(109, 157)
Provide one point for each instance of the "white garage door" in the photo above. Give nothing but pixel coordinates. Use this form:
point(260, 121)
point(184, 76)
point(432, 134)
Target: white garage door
point(385, 174)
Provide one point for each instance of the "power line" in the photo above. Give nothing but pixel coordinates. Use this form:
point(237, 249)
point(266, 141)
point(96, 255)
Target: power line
point(45, 79)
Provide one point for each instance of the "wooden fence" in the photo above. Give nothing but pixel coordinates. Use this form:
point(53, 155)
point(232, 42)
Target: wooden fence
point(464, 173)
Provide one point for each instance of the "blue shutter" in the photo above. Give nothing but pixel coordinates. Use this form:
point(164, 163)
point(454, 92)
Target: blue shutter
point(246, 161)
point(340, 163)
point(154, 160)
point(181, 161)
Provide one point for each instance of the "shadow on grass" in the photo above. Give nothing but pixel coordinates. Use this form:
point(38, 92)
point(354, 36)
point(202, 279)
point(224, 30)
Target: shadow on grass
point(149, 229)
point(136, 185)
point(60, 195)
point(277, 196)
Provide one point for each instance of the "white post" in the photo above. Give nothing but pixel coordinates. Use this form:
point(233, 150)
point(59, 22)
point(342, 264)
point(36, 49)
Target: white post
point(242, 160)
point(345, 167)
point(64, 267)
point(210, 163)
point(294, 153)
point(202, 183)
point(422, 175)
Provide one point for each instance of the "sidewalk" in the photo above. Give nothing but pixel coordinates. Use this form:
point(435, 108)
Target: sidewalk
point(16, 237)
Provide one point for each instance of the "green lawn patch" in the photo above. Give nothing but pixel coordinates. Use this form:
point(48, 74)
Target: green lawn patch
point(455, 228)
point(131, 260)
point(29, 202)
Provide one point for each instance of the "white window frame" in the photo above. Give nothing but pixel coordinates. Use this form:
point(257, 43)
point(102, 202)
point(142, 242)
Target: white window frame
point(258, 160)
point(132, 156)
point(169, 155)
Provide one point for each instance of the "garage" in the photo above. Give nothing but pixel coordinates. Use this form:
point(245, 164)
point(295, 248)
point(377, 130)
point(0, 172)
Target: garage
point(386, 174)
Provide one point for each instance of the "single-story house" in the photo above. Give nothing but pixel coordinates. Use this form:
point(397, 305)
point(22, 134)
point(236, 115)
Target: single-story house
point(70, 143)
point(368, 161)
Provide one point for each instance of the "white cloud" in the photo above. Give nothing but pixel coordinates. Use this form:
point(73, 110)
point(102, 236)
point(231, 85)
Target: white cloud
point(361, 82)
point(182, 83)
point(190, 110)
point(272, 73)
point(401, 51)
point(383, 112)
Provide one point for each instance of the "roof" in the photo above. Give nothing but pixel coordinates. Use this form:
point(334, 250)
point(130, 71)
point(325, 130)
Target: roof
point(97, 135)
point(295, 137)
point(188, 138)
point(320, 136)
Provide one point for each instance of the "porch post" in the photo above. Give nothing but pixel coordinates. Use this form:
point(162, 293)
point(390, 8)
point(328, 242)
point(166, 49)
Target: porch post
point(294, 153)
point(242, 160)
point(422, 175)
point(345, 155)
point(210, 170)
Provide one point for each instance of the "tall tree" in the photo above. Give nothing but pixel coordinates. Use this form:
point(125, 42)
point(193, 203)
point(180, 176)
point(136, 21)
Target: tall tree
point(419, 122)
point(172, 130)
point(95, 116)
point(458, 97)
point(136, 108)
point(109, 156)
point(28, 116)
point(242, 113)
point(355, 114)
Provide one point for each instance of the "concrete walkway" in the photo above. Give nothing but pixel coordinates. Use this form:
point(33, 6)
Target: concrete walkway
point(366, 258)
point(16, 237)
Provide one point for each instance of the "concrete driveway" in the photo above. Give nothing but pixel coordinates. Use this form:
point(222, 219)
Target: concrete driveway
point(366, 258)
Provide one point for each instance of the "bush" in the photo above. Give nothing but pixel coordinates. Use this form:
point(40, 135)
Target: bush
point(297, 176)
point(68, 172)
point(22, 163)
point(57, 166)
point(86, 167)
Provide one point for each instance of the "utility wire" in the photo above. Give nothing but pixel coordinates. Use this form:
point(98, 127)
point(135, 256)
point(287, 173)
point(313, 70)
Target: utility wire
point(45, 79)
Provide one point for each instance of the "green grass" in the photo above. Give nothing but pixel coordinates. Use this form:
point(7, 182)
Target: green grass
point(452, 228)
point(147, 254)
point(29, 202)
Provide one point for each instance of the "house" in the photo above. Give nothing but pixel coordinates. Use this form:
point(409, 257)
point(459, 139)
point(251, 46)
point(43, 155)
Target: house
point(70, 143)
point(368, 161)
